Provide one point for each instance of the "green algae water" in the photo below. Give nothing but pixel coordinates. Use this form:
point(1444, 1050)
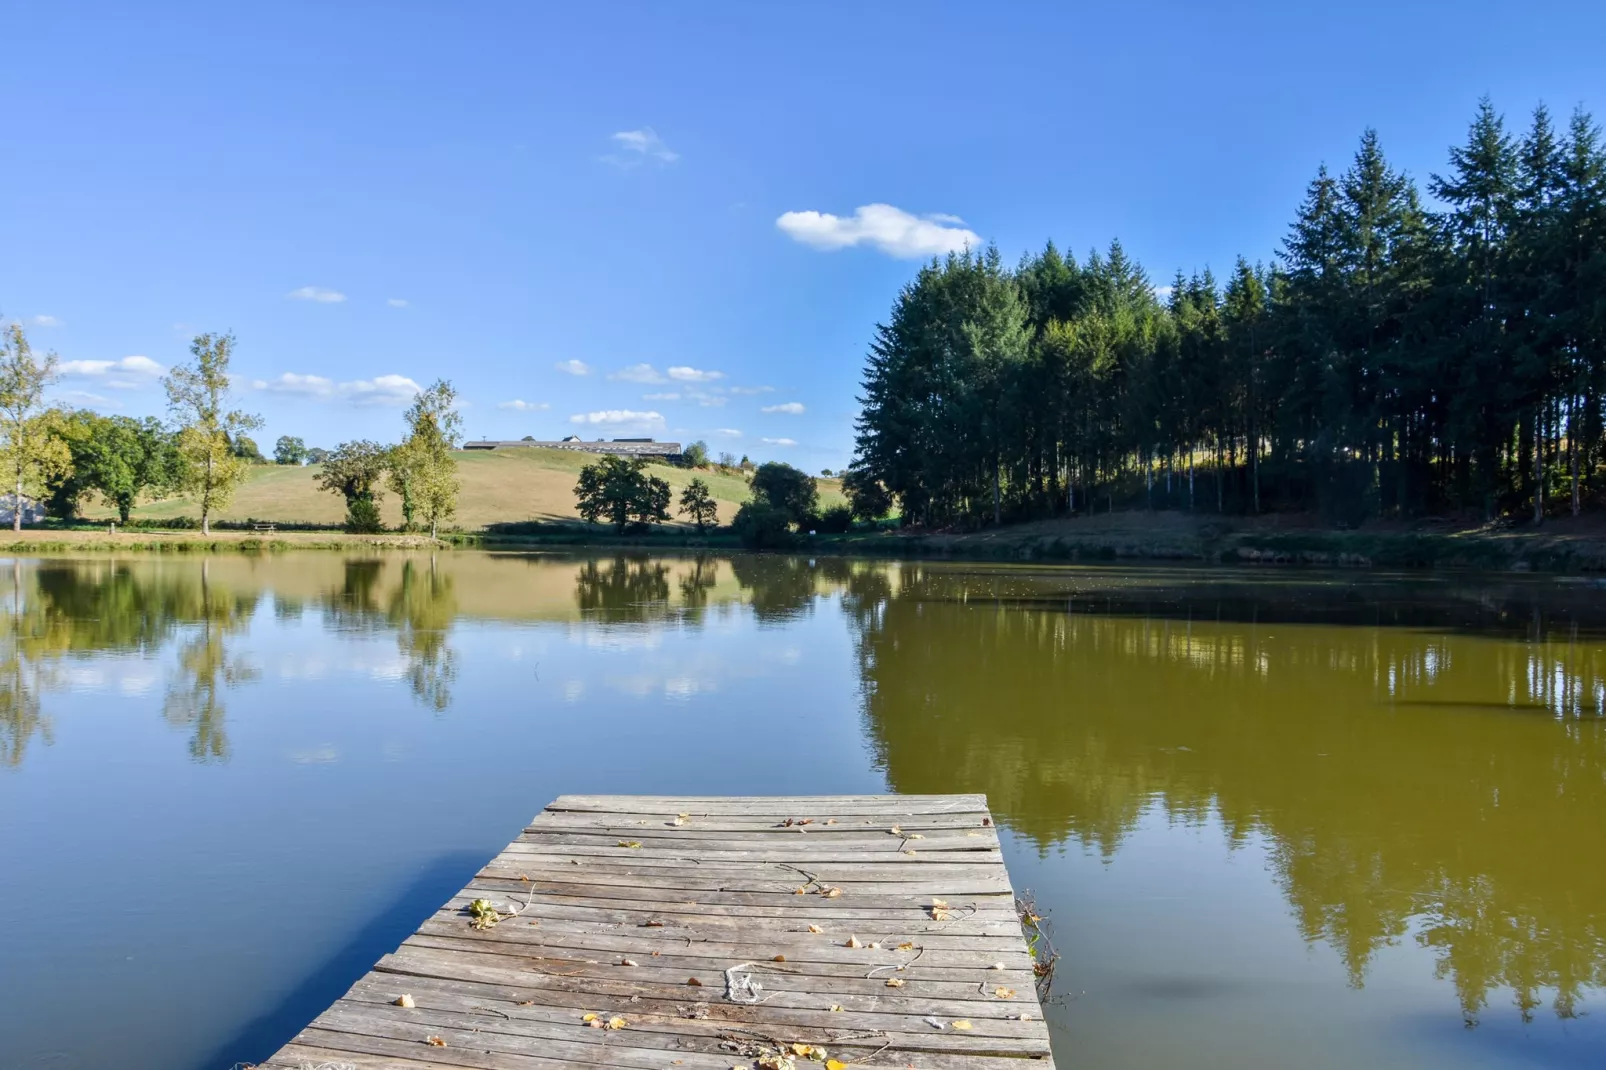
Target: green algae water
point(1274, 818)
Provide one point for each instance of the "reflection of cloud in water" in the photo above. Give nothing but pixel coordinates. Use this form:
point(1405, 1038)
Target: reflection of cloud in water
point(574, 690)
point(324, 755)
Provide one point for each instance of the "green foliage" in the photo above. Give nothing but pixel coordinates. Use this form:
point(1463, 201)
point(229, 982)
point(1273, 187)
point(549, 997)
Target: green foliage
point(354, 470)
point(762, 526)
point(790, 490)
point(245, 448)
point(117, 457)
point(32, 453)
point(837, 520)
point(317, 455)
point(697, 504)
point(1392, 361)
point(695, 455)
point(198, 396)
point(422, 469)
point(289, 450)
point(868, 498)
point(620, 490)
point(362, 516)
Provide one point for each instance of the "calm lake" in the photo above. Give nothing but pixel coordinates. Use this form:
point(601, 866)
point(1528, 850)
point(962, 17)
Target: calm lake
point(1275, 818)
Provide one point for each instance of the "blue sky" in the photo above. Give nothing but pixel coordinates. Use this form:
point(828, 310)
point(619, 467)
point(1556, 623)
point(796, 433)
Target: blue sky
point(676, 201)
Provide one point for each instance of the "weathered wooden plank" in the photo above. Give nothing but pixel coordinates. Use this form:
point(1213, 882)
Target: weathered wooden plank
point(784, 805)
point(735, 883)
point(861, 898)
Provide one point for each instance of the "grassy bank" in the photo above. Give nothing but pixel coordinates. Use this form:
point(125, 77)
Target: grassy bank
point(501, 487)
point(1565, 544)
point(49, 541)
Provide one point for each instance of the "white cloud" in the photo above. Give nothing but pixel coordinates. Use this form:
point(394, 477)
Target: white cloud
point(706, 400)
point(396, 302)
point(617, 417)
point(130, 373)
point(380, 390)
point(728, 432)
point(638, 373)
point(779, 441)
point(638, 145)
point(891, 230)
point(84, 397)
point(317, 293)
point(523, 406)
point(752, 390)
point(573, 367)
point(1162, 293)
point(45, 321)
point(669, 396)
point(694, 375)
point(310, 386)
point(792, 408)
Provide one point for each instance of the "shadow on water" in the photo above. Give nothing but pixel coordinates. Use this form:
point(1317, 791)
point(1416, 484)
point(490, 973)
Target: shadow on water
point(439, 880)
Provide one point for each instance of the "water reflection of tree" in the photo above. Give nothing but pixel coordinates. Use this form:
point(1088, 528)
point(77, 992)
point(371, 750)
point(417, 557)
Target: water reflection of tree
point(695, 583)
point(354, 605)
point(628, 588)
point(206, 667)
point(1394, 805)
point(779, 588)
point(421, 610)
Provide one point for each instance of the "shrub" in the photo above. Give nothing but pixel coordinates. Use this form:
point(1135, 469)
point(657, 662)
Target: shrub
point(837, 520)
point(761, 526)
point(362, 517)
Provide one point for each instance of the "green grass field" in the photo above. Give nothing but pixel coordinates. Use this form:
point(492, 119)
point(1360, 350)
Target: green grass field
point(499, 487)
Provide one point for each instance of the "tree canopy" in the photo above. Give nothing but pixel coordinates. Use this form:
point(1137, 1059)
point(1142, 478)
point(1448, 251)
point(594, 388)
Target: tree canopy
point(1395, 358)
point(621, 491)
point(198, 397)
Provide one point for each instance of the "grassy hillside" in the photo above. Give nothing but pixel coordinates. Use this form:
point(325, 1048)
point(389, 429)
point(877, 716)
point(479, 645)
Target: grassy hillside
point(502, 486)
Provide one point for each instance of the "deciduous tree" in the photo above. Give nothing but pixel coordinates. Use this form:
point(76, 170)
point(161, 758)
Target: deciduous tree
point(198, 397)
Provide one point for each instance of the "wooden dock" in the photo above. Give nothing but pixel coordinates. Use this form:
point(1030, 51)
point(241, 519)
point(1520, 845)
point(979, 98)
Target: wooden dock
point(656, 932)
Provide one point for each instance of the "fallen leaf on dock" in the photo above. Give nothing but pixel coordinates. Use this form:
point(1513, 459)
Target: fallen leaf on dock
point(907, 945)
point(997, 966)
point(962, 1023)
point(895, 982)
point(435, 1042)
point(830, 893)
point(630, 843)
point(815, 929)
point(835, 1064)
point(836, 1006)
point(1004, 993)
point(652, 923)
point(617, 1022)
point(404, 1000)
point(629, 962)
point(588, 1017)
point(852, 941)
point(779, 958)
point(895, 830)
point(694, 982)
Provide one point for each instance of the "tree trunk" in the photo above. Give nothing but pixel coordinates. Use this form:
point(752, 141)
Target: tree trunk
point(1572, 448)
point(1539, 469)
point(997, 493)
point(1254, 466)
point(16, 511)
point(1190, 479)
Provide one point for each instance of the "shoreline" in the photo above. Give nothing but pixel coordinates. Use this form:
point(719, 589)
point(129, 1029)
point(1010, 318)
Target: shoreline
point(1131, 538)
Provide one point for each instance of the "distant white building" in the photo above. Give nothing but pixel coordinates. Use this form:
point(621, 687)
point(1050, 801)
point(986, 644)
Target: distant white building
point(32, 511)
point(622, 447)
